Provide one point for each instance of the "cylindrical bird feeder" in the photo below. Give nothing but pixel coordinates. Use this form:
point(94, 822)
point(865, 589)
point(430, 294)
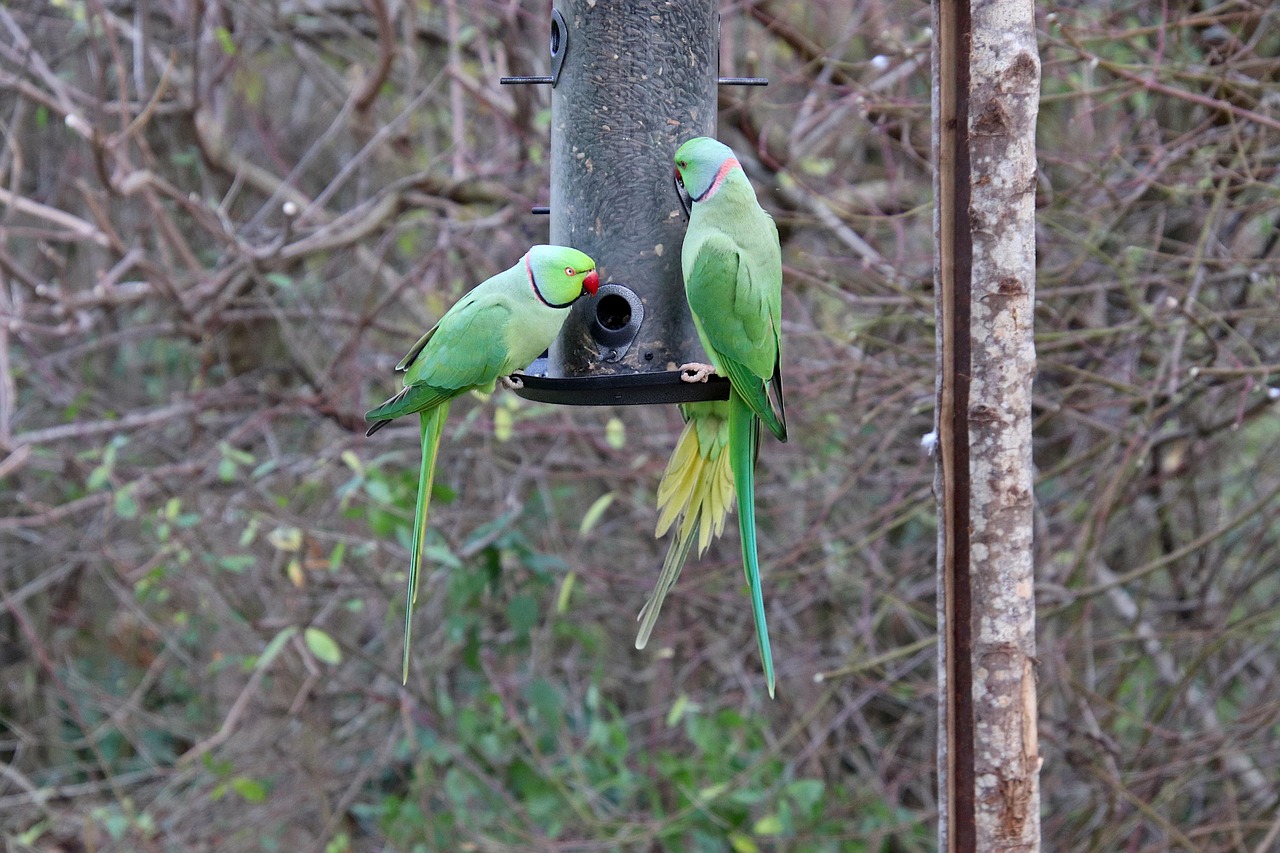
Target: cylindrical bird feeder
point(631, 81)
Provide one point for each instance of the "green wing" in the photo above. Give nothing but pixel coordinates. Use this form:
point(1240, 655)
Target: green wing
point(738, 316)
point(467, 349)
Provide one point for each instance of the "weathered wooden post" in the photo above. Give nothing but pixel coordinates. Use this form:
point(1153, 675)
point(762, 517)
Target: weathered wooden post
point(986, 90)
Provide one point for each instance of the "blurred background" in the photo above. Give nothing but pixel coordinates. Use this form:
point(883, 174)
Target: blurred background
point(203, 557)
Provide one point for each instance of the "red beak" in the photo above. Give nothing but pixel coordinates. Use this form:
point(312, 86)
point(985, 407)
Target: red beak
point(591, 283)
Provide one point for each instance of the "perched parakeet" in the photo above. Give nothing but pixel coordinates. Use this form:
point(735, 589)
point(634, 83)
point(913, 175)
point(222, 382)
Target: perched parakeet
point(732, 268)
point(498, 328)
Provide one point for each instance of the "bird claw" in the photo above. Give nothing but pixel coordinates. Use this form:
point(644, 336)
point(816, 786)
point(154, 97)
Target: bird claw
point(511, 383)
point(696, 372)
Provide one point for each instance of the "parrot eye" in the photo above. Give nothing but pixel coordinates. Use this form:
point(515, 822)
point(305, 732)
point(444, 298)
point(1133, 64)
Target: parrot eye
point(569, 271)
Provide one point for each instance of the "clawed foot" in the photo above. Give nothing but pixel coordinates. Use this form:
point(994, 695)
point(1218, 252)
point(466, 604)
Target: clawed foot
point(695, 372)
point(511, 383)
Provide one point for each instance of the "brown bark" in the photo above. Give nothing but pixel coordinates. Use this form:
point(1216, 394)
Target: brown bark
point(986, 87)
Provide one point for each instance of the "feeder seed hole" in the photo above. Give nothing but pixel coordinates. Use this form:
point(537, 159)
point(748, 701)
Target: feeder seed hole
point(613, 312)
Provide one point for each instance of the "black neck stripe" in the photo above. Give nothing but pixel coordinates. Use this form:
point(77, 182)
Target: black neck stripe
point(533, 282)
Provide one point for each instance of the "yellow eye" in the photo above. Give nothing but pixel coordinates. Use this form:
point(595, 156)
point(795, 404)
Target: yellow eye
point(569, 271)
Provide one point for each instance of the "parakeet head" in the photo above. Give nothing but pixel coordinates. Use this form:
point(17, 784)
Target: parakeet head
point(559, 275)
point(701, 165)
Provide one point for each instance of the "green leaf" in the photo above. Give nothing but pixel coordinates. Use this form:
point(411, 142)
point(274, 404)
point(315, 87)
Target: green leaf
point(711, 792)
point(441, 555)
point(235, 454)
point(807, 794)
point(522, 613)
point(378, 490)
point(742, 844)
point(237, 562)
point(285, 538)
point(336, 555)
point(249, 533)
point(30, 836)
point(679, 708)
point(125, 505)
point(566, 590)
point(324, 647)
point(503, 424)
point(768, 825)
point(407, 242)
point(615, 433)
point(115, 823)
point(225, 41)
point(251, 790)
point(218, 767)
point(97, 478)
point(264, 469)
point(592, 516)
point(272, 649)
point(548, 702)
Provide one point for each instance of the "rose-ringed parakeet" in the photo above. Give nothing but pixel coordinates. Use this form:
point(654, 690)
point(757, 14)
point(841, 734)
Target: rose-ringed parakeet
point(496, 329)
point(732, 268)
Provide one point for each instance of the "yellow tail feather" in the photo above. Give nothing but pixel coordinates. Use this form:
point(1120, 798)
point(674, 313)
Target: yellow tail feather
point(697, 485)
point(697, 490)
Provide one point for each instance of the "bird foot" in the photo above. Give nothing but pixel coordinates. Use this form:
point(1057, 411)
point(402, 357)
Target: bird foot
point(511, 383)
point(695, 372)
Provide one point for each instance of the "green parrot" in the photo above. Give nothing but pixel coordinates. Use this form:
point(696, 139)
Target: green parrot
point(498, 328)
point(732, 266)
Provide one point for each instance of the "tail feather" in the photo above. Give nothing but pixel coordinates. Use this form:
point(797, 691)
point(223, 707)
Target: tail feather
point(679, 480)
point(432, 426)
point(744, 438)
point(677, 553)
point(773, 393)
point(387, 410)
point(697, 491)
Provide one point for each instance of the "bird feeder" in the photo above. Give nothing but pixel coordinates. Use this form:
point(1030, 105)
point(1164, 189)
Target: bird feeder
point(630, 82)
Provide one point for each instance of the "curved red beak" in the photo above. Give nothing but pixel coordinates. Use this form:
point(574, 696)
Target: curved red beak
point(591, 283)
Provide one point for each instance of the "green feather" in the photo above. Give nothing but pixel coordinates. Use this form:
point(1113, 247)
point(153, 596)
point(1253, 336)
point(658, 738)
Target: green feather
point(677, 553)
point(744, 440)
point(497, 328)
point(732, 265)
point(432, 427)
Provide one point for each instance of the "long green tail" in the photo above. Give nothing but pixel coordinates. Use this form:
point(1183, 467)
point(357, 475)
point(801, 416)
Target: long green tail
point(432, 423)
point(744, 438)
